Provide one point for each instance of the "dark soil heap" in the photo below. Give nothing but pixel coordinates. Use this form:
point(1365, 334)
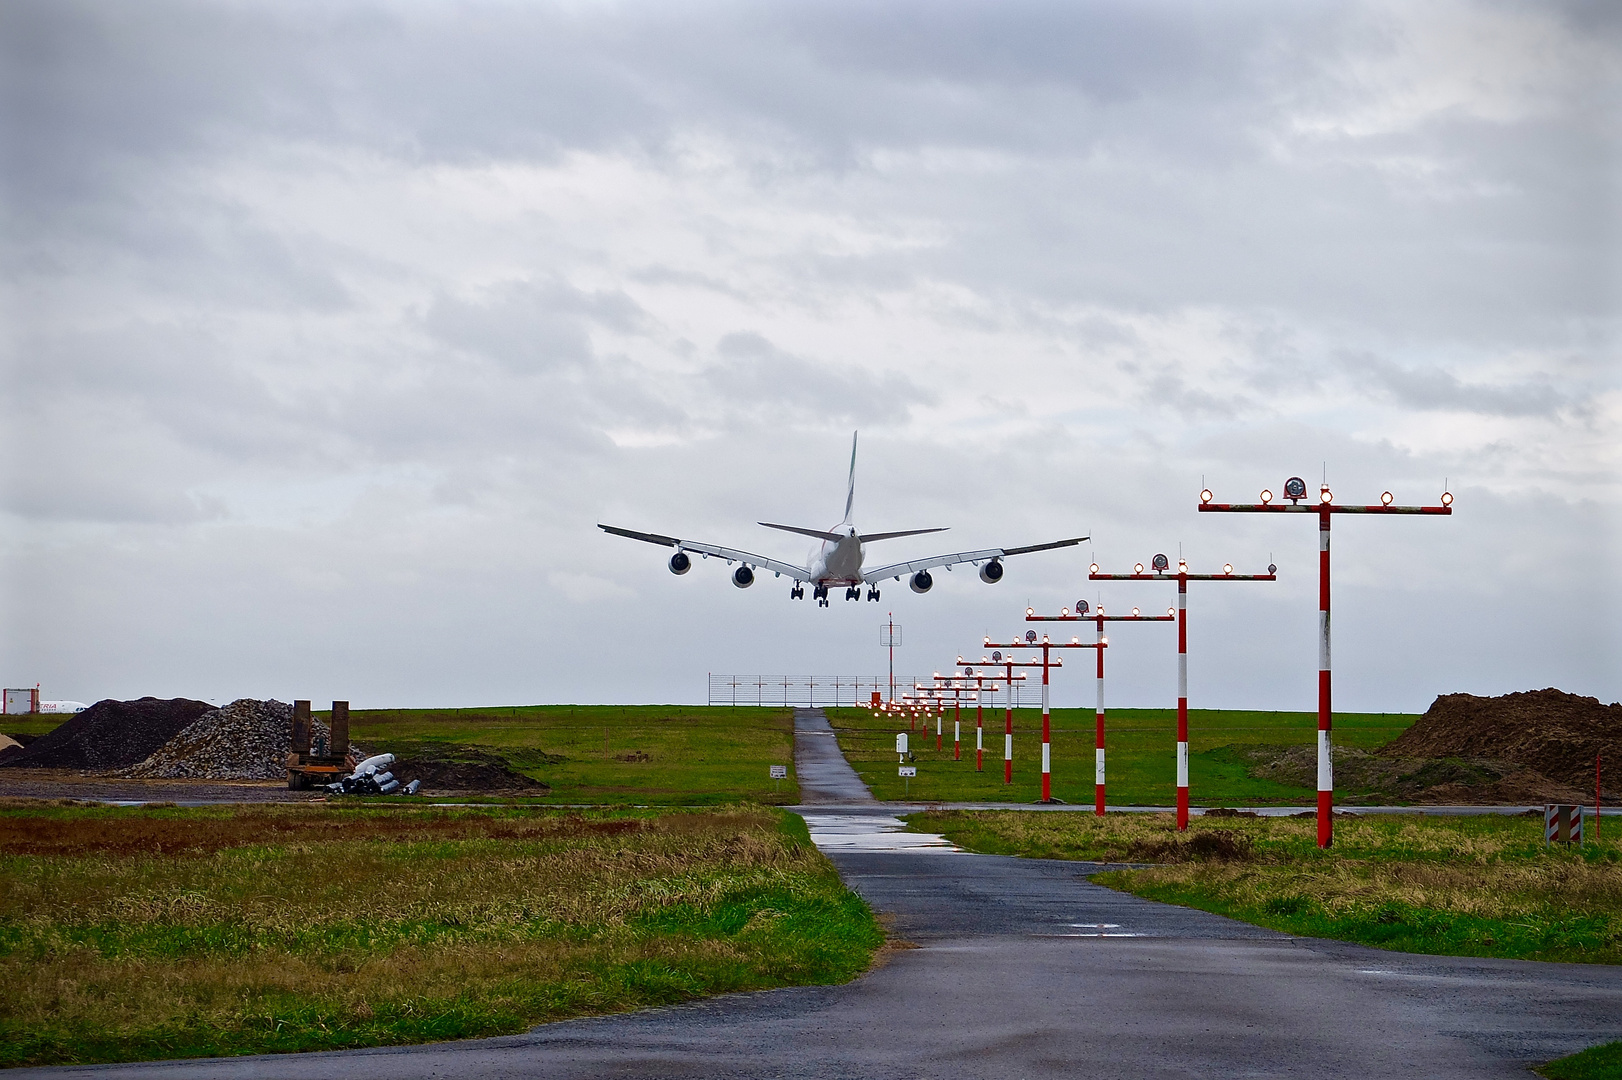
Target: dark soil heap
point(1549, 731)
point(462, 768)
point(110, 734)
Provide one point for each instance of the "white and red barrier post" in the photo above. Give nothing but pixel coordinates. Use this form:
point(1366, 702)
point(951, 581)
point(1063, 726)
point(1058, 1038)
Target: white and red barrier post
point(1100, 618)
point(1160, 570)
point(1295, 490)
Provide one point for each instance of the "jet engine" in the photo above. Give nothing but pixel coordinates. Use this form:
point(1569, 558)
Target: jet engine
point(921, 582)
point(991, 572)
point(743, 577)
point(680, 563)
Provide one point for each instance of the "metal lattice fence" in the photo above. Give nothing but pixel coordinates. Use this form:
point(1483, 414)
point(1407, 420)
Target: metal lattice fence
point(813, 691)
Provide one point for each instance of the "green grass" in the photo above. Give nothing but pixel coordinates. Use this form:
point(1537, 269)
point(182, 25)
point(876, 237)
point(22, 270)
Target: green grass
point(1458, 886)
point(1595, 1063)
point(142, 933)
point(1141, 744)
point(643, 754)
point(31, 723)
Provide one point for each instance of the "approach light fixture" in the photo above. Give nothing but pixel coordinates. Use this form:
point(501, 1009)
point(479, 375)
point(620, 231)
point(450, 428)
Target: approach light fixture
point(1227, 568)
point(1447, 498)
point(1093, 569)
point(1205, 496)
point(1295, 489)
point(1030, 635)
point(1326, 496)
point(1160, 563)
point(1137, 568)
point(1135, 612)
point(1030, 611)
point(1064, 613)
point(1267, 496)
point(1081, 607)
point(996, 657)
point(1385, 498)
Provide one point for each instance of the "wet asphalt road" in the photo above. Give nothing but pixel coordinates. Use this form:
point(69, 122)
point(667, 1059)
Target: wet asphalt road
point(1024, 969)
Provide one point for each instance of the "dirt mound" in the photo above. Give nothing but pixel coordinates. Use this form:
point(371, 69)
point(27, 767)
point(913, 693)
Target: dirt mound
point(1221, 845)
point(1362, 777)
point(246, 740)
point(1550, 732)
point(463, 769)
point(110, 734)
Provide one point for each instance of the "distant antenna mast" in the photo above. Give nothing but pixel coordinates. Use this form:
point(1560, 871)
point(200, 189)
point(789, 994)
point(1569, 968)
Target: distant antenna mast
point(890, 637)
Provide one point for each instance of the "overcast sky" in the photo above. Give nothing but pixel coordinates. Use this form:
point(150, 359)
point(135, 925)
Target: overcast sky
point(333, 330)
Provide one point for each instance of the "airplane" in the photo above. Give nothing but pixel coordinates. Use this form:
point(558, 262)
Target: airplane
point(840, 561)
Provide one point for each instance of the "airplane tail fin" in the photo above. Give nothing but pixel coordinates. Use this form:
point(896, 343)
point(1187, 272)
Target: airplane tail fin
point(850, 491)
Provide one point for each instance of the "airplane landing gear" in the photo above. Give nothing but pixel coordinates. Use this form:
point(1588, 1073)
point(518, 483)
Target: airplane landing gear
point(853, 594)
point(873, 594)
point(797, 593)
point(819, 593)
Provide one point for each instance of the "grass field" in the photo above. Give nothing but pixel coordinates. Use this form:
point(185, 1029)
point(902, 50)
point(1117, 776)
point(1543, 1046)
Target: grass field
point(1595, 1063)
point(1461, 886)
point(650, 754)
point(140, 933)
point(1141, 747)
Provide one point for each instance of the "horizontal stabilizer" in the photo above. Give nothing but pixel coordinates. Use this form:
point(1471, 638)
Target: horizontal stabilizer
point(865, 537)
point(831, 537)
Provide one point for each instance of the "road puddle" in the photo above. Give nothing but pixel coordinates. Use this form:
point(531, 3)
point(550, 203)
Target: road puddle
point(871, 832)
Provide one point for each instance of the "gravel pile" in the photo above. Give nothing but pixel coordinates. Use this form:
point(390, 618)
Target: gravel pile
point(246, 740)
point(110, 734)
point(1551, 732)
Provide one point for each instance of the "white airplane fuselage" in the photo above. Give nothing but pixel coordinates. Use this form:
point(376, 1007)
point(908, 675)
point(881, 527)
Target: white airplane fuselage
point(839, 563)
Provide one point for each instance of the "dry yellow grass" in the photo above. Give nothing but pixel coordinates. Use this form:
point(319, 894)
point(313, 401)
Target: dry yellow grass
point(341, 929)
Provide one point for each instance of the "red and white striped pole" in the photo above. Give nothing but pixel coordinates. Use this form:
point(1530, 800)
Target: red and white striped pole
point(1098, 746)
point(979, 726)
point(1047, 732)
point(1295, 489)
point(1182, 700)
point(1008, 726)
point(1161, 565)
point(1326, 764)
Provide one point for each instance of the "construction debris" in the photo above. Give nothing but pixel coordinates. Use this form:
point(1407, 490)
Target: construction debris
point(245, 740)
point(372, 777)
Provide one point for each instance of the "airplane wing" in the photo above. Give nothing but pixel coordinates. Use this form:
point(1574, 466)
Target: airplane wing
point(895, 570)
point(798, 573)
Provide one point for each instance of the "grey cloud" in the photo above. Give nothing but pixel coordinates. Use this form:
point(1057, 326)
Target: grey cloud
point(758, 377)
point(1436, 389)
point(530, 327)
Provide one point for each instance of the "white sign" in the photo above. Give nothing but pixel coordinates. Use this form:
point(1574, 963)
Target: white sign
point(779, 772)
point(909, 770)
point(901, 743)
